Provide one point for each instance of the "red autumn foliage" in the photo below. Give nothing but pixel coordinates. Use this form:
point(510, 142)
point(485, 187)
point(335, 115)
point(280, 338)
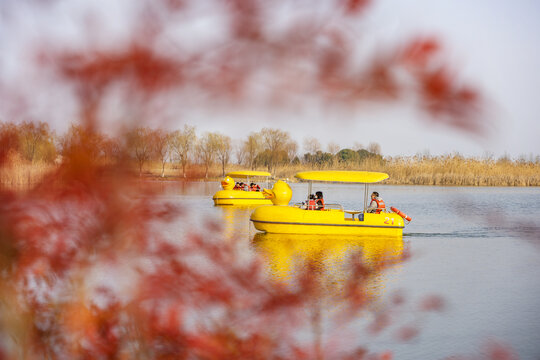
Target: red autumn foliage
point(356, 6)
point(96, 70)
point(432, 303)
point(407, 333)
point(325, 48)
point(155, 296)
point(89, 268)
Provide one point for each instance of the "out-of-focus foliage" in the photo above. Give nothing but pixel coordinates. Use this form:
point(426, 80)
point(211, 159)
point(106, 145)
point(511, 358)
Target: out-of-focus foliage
point(89, 269)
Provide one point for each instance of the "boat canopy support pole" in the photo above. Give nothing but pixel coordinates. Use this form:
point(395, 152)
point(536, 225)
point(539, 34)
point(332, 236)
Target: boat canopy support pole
point(310, 184)
point(366, 186)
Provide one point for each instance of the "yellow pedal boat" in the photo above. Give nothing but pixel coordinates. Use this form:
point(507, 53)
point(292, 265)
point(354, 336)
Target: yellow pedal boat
point(284, 219)
point(231, 196)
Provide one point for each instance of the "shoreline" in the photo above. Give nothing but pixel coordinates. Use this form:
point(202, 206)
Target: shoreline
point(172, 178)
point(449, 173)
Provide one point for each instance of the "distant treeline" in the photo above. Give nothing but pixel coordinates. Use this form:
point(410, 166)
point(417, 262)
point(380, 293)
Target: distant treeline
point(29, 150)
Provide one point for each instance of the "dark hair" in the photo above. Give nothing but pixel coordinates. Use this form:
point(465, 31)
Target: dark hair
point(311, 196)
point(375, 193)
point(319, 194)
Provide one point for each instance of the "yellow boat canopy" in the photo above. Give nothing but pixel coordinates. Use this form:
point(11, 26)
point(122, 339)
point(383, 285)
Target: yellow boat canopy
point(364, 177)
point(245, 174)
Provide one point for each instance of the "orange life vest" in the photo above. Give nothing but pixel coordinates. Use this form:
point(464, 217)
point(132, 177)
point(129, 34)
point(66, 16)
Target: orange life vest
point(312, 205)
point(380, 205)
point(320, 204)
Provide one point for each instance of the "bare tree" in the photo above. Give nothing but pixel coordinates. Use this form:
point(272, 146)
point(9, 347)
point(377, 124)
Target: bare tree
point(357, 146)
point(223, 151)
point(33, 135)
point(311, 145)
point(160, 147)
point(139, 143)
point(333, 148)
point(113, 149)
point(238, 151)
point(374, 148)
point(206, 150)
point(275, 141)
point(292, 149)
point(183, 142)
point(251, 148)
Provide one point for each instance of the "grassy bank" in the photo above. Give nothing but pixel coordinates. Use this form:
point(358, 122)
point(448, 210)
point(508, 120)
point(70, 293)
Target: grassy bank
point(447, 171)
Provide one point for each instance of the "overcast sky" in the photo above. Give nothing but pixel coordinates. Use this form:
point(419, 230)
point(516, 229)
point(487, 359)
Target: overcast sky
point(493, 45)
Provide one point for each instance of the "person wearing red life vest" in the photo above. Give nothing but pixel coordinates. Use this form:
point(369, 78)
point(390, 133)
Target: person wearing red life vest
point(376, 205)
point(311, 203)
point(319, 200)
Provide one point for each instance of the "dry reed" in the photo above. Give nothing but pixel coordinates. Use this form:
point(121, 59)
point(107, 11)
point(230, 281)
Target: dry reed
point(440, 171)
point(17, 173)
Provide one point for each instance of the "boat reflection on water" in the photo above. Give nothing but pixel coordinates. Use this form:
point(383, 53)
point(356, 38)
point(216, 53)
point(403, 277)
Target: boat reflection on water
point(235, 220)
point(330, 256)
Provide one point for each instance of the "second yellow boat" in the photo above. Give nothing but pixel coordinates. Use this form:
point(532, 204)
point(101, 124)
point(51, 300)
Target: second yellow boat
point(231, 196)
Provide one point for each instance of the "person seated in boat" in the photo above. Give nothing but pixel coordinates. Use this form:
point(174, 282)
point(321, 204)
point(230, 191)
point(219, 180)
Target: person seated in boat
point(376, 206)
point(311, 203)
point(319, 200)
point(236, 186)
point(254, 187)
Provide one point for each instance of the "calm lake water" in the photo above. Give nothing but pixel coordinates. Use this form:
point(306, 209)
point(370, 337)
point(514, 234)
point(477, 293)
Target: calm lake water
point(478, 248)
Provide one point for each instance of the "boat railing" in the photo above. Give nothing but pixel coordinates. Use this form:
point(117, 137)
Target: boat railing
point(326, 206)
point(333, 206)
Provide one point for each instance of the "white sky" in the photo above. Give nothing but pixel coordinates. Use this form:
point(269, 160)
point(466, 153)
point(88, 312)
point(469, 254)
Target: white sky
point(493, 45)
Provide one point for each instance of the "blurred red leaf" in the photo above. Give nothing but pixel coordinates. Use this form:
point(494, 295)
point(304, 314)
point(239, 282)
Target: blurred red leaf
point(432, 303)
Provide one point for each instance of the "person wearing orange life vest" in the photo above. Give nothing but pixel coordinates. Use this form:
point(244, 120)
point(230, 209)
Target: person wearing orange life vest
point(311, 203)
point(376, 205)
point(255, 187)
point(319, 201)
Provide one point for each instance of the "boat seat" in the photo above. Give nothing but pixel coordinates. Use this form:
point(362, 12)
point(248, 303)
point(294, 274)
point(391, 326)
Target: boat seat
point(353, 212)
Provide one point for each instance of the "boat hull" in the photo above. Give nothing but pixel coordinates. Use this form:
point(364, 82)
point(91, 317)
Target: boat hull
point(240, 197)
point(293, 220)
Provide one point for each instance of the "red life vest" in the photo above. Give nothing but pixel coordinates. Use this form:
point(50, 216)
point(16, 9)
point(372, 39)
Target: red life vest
point(311, 205)
point(380, 205)
point(320, 204)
